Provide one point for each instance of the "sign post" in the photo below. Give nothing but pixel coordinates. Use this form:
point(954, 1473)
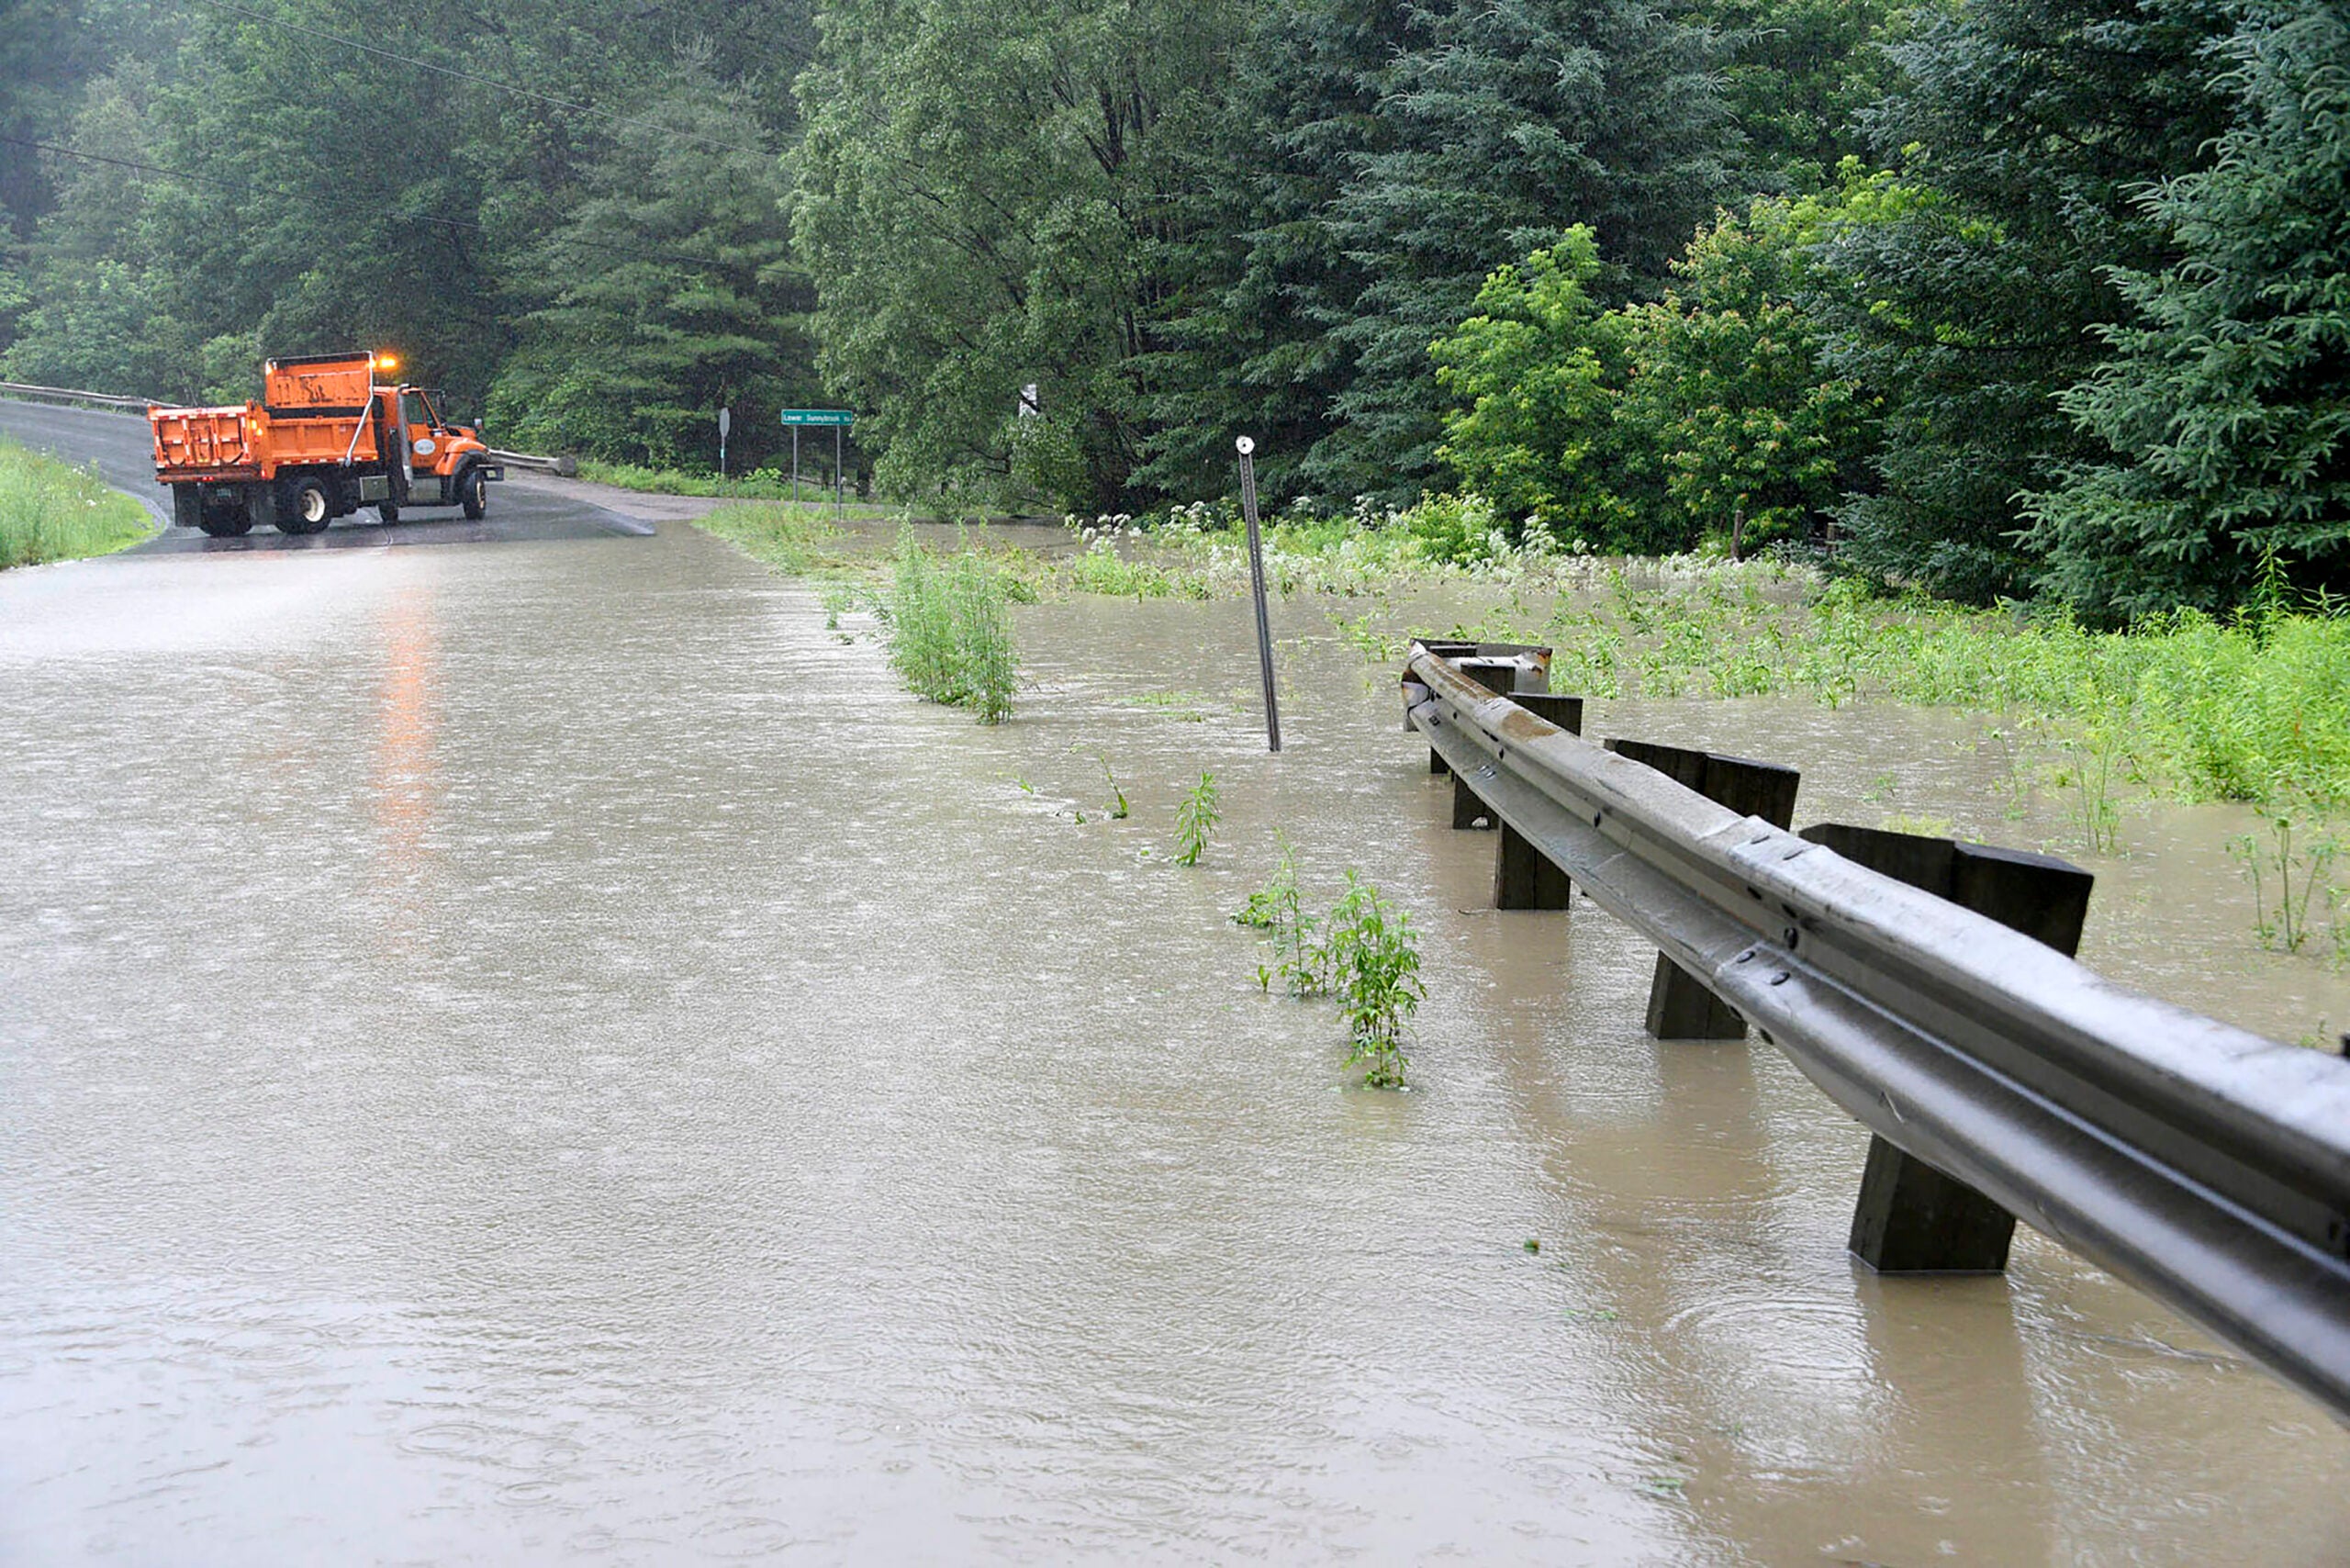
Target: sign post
point(725, 427)
point(1256, 588)
point(797, 420)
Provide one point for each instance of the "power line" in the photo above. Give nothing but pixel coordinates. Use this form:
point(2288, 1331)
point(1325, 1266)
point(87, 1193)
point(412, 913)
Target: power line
point(341, 42)
point(405, 218)
point(117, 163)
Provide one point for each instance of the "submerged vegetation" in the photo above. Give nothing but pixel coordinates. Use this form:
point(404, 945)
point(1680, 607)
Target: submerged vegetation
point(794, 539)
point(1195, 819)
point(1366, 957)
point(949, 628)
point(52, 513)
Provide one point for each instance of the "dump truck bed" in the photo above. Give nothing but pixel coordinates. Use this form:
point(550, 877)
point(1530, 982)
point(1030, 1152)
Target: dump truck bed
point(254, 441)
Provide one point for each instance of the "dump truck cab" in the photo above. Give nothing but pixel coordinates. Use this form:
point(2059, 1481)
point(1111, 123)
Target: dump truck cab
point(448, 464)
point(332, 433)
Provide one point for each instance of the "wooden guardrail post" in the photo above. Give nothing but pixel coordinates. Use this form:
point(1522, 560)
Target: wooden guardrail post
point(1912, 1218)
point(1525, 878)
point(1680, 1007)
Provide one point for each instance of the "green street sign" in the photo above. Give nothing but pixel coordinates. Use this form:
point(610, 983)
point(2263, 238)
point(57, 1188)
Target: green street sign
point(818, 417)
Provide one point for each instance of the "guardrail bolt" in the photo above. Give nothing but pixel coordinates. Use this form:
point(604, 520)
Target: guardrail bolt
point(1680, 1007)
point(1913, 1219)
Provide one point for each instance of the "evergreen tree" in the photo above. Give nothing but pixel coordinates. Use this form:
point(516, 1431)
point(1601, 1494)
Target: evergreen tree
point(1511, 121)
point(1259, 278)
point(2227, 406)
point(1798, 75)
point(670, 293)
point(1972, 308)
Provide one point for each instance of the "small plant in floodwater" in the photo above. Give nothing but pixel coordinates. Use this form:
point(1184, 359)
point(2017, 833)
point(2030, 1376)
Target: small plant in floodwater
point(1117, 807)
point(1374, 966)
point(1277, 910)
point(1195, 820)
point(2285, 879)
point(2093, 757)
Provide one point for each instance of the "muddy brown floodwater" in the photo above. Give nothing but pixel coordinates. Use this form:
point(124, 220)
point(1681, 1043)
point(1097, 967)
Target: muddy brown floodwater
point(541, 1053)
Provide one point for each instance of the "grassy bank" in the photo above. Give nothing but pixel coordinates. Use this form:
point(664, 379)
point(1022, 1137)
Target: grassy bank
point(800, 540)
point(52, 513)
point(762, 485)
point(2255, 710)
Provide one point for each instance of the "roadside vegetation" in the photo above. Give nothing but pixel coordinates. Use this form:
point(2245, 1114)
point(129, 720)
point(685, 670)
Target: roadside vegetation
point(1363, 955)
point(948, 624)
point(769, 484)
point(800, 541)
point(49, 511)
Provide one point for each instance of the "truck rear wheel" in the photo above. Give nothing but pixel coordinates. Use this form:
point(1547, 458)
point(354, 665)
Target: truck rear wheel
point(222, 514)
point(305, 506)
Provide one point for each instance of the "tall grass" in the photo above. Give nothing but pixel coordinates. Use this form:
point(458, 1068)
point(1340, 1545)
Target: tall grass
point(52, 512)
point(950, 631)
point(796, 539)
point(2256, 709)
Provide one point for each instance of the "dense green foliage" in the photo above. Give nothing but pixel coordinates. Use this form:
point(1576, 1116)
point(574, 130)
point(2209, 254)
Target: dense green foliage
point(52, 512)
point(1998, 298)
point(2227, 403)
point(2027, 126)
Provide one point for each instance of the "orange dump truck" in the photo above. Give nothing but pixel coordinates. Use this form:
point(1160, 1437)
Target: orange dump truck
point(326, 439)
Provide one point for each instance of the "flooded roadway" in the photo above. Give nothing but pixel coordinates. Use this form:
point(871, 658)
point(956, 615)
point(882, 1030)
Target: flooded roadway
point(539, 1052)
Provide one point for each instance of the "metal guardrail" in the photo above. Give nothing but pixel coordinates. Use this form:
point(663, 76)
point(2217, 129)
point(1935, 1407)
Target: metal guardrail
point(565, 467)
point(65, 394)
point(2207, 1165)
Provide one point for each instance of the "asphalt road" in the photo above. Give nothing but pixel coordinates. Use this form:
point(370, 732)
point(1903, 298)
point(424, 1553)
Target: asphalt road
point(521, 508)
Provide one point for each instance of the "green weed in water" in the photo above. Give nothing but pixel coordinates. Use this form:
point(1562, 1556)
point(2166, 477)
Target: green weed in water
point(1117, 808)
point(2285, 877)
point(794, 539)
point(1374, 964)
point(1195, 820)
point(1365, 955)
point(950, 631)
point(1277, 910)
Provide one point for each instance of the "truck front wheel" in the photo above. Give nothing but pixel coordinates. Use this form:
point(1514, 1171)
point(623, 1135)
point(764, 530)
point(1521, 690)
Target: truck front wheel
point(306, 507)
point(475, 495)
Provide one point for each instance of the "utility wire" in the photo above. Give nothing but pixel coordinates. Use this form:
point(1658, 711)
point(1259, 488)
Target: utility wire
point(341, 42)
point(117, 163)
point(405, 217)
